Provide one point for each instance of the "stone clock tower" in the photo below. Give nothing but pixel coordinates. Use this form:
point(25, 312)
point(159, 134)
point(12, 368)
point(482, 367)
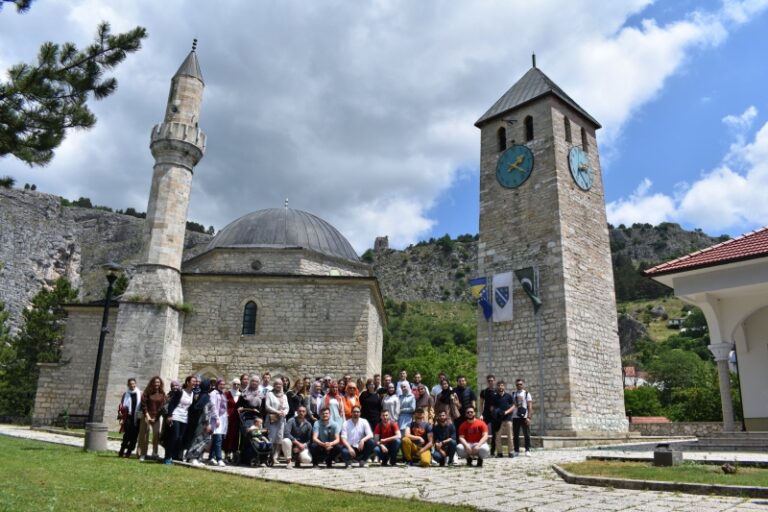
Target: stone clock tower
point(150, 321)
point(542, 208)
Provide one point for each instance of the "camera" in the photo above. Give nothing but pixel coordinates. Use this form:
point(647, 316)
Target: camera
point(521, 411)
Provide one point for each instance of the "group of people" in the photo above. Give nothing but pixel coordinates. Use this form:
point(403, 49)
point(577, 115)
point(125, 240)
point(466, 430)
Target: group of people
point(325, 421)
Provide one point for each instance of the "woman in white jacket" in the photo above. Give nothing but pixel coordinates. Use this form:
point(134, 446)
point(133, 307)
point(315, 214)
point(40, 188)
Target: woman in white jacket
point(276, 406)
point(130, 405)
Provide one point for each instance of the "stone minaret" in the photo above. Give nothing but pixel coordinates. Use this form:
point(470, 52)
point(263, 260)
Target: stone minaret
point(542, 207)
point(149, 323)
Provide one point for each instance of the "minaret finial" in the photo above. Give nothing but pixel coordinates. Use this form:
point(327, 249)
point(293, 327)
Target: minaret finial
point(194, 44)
point(533, 59)
point(286, 203)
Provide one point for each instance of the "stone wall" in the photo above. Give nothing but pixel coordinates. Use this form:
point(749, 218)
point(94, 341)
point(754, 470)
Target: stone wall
point(66, 386)
point(272, 261)
point(698, 429)
point(304, 327)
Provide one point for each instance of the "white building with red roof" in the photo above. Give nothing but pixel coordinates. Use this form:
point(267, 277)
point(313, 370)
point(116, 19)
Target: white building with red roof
point(729, 282)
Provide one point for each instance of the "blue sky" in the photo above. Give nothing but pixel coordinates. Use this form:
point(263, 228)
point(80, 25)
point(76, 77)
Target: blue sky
point(363, 112)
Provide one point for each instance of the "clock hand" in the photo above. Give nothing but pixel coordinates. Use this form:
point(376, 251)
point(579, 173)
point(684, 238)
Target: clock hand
point(516, 164)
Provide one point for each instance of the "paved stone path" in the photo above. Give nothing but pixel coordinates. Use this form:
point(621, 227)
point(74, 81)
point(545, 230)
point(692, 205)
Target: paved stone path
point(521, 484)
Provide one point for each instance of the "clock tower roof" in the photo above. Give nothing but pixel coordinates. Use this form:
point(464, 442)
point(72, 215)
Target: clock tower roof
point(533, 85)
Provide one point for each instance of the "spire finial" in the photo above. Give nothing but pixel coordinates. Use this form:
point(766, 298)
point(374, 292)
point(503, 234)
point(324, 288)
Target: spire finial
point(194, 44)
point(533, 59)
point(286, 203)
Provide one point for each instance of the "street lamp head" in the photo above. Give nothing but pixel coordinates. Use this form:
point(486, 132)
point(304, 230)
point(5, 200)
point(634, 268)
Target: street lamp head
point(112, 269)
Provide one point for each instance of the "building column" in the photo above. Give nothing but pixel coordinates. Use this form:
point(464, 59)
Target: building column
point(722, 351)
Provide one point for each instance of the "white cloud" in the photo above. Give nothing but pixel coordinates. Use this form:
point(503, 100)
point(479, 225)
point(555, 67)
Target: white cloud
point(641, 207)
point(725, 198)
point(358, 112)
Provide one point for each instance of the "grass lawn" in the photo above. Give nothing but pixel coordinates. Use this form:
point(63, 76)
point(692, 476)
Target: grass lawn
point(39, 476)
point(686, 472)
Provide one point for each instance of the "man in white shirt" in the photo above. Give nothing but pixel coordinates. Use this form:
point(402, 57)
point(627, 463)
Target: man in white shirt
point(357, 437)
point(522, 417)
point(265, 387)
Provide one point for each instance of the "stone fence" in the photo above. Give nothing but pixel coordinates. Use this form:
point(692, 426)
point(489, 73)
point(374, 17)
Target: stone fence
point(698, 428)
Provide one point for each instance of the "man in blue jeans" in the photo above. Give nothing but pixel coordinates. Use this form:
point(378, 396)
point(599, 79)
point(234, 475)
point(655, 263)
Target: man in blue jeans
point(326, 441)
point(387, 439)
point(444, 437)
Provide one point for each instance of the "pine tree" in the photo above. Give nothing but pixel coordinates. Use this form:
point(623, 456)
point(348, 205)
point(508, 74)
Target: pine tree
point(39, 103)
point(39, 341)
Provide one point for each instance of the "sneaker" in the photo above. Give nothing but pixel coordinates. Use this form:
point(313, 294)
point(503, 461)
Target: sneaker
point(527, 453)
point(195, 462)
point(346, 464)
point(442, 463)
point(383, 463)
point(168, 462)
point(141, 459)
point(361, 464)
point(517, 454)
point(222, 463)
point(212, 462)
point(469, 462)
point(479, 462)
point(328, 464)
point(499, 455)
point(288, 465)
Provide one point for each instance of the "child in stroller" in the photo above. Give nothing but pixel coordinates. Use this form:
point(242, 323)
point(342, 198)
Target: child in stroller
point(256, 449)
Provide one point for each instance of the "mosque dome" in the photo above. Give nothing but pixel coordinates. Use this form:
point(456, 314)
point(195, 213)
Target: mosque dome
point(284, 228)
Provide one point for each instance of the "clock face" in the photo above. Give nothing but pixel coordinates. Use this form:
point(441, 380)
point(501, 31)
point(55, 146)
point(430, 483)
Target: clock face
point(581, 171)
point(514, 166)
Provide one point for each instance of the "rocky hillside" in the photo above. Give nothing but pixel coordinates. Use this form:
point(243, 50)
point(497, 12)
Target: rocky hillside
point(41, 240)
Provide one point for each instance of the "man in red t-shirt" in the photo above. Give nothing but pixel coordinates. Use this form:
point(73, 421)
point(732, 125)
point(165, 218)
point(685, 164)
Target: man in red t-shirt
point(386, 435)
point(473, 437)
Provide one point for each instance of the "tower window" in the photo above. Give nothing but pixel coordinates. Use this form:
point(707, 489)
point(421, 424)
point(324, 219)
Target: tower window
point(528, 128)
point(584, 141)
point(249, 318)
point(502, 134)
point(567, 125)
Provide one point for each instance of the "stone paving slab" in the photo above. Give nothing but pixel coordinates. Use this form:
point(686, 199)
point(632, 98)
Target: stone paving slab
point(525, 484)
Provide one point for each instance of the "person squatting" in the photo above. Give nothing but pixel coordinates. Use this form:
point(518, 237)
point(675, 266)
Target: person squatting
point(258, 420)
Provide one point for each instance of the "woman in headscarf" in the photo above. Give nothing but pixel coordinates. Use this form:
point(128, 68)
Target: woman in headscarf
point(333, 401)
point(370, 404)
point(129, 408)
point(233, 421)
point(407, 407)
point(250, 398)
point(201, 427)
point(276, 406)
point(351, 398)
point(219, 422)
point(427, 402)
point(447, 401)
point(391, 402)
point(152, 401)
point(179, 403)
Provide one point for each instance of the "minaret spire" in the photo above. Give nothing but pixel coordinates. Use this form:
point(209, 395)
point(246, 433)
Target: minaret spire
point(533, 59)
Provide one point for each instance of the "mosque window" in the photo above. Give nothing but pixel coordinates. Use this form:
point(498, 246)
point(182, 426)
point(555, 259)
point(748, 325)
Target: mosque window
point(502, 134)
point(249, 318)
point(567, 126)
point(584, 141)
point(528, 128)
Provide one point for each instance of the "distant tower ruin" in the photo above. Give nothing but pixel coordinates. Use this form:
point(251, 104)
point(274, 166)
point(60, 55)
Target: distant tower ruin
point(381, 244)
point(149, 323)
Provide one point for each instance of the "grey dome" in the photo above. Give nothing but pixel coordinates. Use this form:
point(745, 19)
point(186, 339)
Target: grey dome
point(282, 228)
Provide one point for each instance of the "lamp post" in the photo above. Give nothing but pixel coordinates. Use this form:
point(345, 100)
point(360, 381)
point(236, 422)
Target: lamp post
point(96, 432)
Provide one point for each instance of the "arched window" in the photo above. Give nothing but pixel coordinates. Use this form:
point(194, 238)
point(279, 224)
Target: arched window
point(567, 125)
point(528, 128)
point(502, 134)
point(584, 141)
point(249, 318)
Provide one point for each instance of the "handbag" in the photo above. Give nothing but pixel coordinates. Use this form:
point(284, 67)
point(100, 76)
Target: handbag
point(455, 407)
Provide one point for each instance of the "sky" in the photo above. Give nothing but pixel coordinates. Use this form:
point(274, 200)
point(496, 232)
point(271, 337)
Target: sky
point(363, 112)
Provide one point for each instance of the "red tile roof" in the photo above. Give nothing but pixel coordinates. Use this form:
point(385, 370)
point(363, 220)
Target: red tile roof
point(745, 247)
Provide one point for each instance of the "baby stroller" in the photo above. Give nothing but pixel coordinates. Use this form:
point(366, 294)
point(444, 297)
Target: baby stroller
point(255, 448)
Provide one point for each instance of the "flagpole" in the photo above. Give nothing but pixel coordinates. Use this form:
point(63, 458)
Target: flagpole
point(540, 352)
point(489, 344)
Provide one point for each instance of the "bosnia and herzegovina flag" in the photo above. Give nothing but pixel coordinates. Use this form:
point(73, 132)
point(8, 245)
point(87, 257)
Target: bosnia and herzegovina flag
point(479, 288)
